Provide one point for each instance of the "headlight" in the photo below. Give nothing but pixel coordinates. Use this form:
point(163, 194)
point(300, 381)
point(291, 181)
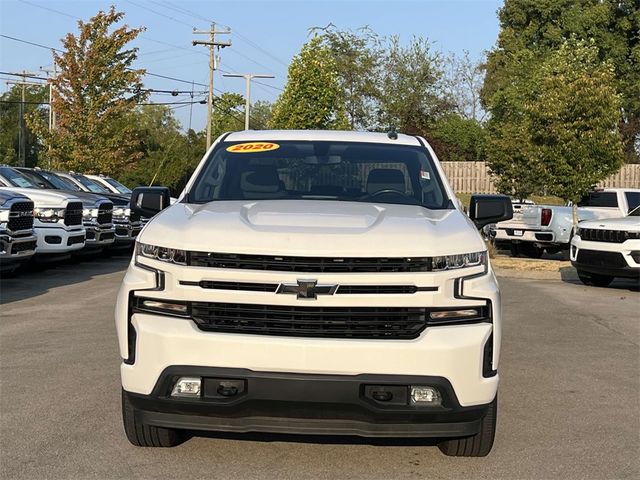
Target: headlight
point(169, 255)
point(4, 216)
point(452, 262)
point(89, 213)
point(50, 215)
point(121, 212)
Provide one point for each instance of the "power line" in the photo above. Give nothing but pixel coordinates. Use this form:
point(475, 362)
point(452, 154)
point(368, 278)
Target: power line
point(159, 13)
point(50, 9)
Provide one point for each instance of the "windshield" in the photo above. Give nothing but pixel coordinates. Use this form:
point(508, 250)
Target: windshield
point(16, 179)
point(357, 172)
point(117, 185)
point(90, 184)
point(58, 182)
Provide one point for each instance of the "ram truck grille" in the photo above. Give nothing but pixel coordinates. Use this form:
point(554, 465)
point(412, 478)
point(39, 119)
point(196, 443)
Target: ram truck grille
point(105, 214)
point(308, 264)
point(18, 218)
point(609, 236)
point(73, 214)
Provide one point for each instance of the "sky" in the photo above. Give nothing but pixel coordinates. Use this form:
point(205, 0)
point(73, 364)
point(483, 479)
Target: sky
point(265, 35)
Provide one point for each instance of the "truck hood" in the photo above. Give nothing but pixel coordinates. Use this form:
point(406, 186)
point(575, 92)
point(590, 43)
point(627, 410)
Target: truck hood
point(630, 224)
point(313, 228)
point(45, 198)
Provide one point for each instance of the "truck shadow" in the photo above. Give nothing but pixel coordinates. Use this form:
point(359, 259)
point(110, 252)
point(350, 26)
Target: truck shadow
point(36, 279)
point(569, 275)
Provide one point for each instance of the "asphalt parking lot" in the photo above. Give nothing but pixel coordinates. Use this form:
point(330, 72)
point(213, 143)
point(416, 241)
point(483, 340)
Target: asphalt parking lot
point(569, 398)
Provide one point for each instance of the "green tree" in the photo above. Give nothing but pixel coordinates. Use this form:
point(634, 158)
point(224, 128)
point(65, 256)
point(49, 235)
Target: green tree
point(10, 123)
point(410, 87)
point(96, 93)
point(455, 138)
point(357, 56)
point(169, 156)
point(228, 114)
point(573, 119)
point(312, 98)
point(261, 113)
point(540, 27)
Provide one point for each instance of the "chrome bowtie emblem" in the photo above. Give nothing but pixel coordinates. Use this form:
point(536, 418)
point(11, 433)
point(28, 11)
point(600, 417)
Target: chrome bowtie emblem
point(307, 289)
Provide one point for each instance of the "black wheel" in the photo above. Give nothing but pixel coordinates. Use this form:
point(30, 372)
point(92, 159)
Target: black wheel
point(142, 435)
point(532, 251)
point(478, 445)
point(594, 279)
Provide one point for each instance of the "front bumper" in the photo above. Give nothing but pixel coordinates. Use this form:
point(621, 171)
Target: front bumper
point(615, 259)
point(453, 352)
point(126, 232)
point(99, 235)
point(16, 248)
point(59, 239)
point(306, 404)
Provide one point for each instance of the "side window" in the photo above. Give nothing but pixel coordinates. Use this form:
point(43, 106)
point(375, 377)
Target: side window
point(633, 199)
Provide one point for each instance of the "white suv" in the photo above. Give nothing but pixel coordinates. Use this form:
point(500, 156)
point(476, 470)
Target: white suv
point(312, 282)
point(602, 250)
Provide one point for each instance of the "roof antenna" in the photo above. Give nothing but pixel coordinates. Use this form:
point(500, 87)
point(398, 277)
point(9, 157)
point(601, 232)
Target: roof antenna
point(392, 134)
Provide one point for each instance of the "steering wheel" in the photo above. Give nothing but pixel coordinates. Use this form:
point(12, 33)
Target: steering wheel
point(386, 191)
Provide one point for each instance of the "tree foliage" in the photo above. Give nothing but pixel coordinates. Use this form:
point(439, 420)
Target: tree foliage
point(538, 28)
point(555, 128)
point(96, 93)
point(312, 98)
point(10, 123)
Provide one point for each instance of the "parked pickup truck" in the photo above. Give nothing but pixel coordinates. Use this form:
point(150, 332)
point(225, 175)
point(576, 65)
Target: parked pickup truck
point(57, 221)
point(536, 228)
point(312, 282)
point(97, 211)
point(602, 250)
point(17, 239)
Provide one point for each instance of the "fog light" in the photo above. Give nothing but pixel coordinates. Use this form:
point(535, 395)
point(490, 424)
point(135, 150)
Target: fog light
point(425, 396)
point(187, 387)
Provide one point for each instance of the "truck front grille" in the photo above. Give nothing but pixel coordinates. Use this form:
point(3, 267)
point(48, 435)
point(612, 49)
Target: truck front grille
point(23, 246)
point(309, 264)
point(327, 322)
point(609, 236)
point(73, 214)
point(601, 259)
point(105, 213)
point(20, 216)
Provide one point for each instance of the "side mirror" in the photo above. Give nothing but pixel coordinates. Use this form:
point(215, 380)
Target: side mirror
point(148, 201)
point(486, 209)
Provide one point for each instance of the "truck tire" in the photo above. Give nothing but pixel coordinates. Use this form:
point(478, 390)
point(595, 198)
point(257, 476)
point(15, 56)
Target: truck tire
point(142, 435)
point(594, 279)
point(478, 445)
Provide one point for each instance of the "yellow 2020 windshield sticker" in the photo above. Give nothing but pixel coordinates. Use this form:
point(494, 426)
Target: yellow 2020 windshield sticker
point(252, 147)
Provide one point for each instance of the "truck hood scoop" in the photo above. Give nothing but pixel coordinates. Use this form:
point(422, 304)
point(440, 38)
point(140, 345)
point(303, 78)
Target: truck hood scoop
point(292, 214)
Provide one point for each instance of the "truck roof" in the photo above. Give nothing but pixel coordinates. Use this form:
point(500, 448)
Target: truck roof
point(320, 135)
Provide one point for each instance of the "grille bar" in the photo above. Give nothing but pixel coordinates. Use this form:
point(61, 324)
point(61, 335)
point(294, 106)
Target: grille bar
point(335, 322)
point(308, 264)
point(609, 236)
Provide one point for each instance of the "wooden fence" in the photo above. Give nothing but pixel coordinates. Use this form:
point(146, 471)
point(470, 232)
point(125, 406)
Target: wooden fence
point(474, 177)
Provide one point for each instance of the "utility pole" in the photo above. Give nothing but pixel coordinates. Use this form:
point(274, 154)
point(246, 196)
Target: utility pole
point(22, 134)
point(212, 44)
point(247, 98)
point(53, 72)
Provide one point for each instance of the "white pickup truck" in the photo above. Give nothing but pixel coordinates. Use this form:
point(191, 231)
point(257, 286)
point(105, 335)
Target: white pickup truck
point(17, 239)
point(536, 228)
point(312, 282)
